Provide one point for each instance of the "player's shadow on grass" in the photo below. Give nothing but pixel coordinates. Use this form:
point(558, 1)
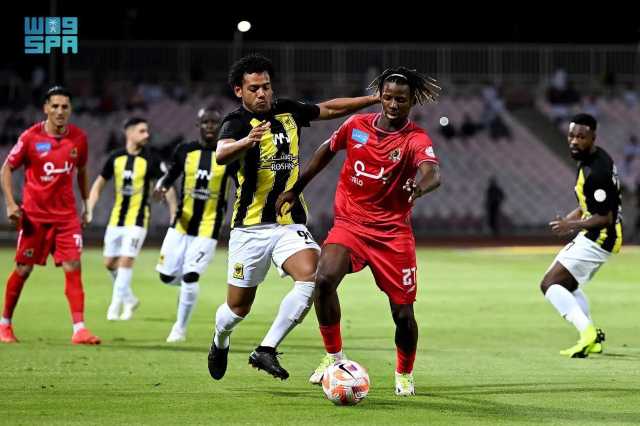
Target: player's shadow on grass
point(487, 409)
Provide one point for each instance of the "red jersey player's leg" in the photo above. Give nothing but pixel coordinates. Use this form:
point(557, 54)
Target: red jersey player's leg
point(392, 260)
point(340, 255)
point(32, 248)
point(68, 249)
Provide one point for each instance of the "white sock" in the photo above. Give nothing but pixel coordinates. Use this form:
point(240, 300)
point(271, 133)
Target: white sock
point(78, 326)
point(583, 301)
point(226, 320)
point(188, 297)
point(567, 306)
point(5, 321)
point(338, 356)
point(122, 285)
point(293, 309)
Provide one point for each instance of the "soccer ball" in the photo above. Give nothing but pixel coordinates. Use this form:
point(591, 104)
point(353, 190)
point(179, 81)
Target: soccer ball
point(345, 382)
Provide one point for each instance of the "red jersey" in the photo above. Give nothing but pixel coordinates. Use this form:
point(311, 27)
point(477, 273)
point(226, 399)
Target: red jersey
point(377, 166)
point(49, 163)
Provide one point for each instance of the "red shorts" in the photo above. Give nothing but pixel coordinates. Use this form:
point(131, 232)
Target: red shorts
point(391, 257)
point(36, 240)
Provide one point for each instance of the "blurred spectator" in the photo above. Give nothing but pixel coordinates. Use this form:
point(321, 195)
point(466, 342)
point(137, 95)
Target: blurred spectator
point(468, 128)
point(562, 96)
point(491, 114)
point(38, 80)
point(631, 152)
point(14, 125)
point(630, 96)
point(493, 204)
point(590, 106)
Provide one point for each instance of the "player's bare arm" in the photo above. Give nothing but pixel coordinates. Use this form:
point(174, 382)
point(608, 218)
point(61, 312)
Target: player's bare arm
point(83, 185)
point(430, 180)
point(567, 226)
point(340, 107)
point(229, 150)
point(318, 162)
point(94, 196)
point(13, 209)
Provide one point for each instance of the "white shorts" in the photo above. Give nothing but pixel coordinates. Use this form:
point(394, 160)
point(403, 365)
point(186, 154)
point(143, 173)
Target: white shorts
point(182, 253)
point(582, 258)
point(123, 241)
point(252, 249)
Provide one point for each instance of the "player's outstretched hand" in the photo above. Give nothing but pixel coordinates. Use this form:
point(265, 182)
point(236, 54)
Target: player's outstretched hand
point(285, 202)
point(411, 187)
point(255, 135)
point(13, 214)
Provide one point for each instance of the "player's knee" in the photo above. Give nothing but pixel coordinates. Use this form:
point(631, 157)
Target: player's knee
point(111, 263)
point(240, 310)
point(326, 283)
point(191, 277)
point(24, 270)
point(403, 316)
point(168, 279)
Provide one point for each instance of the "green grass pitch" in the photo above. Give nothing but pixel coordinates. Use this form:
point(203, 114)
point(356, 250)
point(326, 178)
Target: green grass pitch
point(488, 350)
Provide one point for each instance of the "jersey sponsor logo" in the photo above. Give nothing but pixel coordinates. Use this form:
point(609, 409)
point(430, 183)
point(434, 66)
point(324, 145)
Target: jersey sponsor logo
point(200, 194)
point(127, 174)
point(204, 174)
point(429, 151)
point(44, 146)
point(600, 195)
point(284, 162)
point(238, 271)
point(128, 190)
point(359, 136)
point(395, 155)
point(50, 169)
point(280, 138)
point(361, 170)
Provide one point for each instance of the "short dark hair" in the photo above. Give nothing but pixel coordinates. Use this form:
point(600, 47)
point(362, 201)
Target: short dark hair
point(424, 89)
point(133, 121)
point(254, 63)
point(586, 120)
point(210, 108)
point(57, 90)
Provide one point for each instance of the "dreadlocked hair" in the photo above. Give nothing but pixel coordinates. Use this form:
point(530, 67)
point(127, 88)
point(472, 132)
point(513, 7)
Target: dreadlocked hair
point(424, 89)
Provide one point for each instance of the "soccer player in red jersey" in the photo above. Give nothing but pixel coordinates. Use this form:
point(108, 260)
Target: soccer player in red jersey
point(375, 193)
point(50, 151)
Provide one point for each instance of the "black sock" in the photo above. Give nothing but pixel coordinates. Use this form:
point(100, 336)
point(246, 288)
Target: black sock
point(266, 349)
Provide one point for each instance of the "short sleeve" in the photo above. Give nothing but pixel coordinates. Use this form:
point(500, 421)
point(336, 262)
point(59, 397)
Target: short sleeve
point(107, 169)
point(303, 112)
point(422, 148)
point(83, 150)
point(340, 137)
point(233, 128)
point(603, 193)
point(16, 157)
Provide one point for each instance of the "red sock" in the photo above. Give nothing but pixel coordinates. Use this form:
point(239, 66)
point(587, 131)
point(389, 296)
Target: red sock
point(404, 361)
point(331, 337)
point(75, 294)
point(12, 293)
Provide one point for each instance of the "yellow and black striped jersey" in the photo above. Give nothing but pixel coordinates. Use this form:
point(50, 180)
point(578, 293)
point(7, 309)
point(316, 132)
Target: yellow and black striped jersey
point(598, 192)
point(205, 185)
point(132, 176)
point(272, 166)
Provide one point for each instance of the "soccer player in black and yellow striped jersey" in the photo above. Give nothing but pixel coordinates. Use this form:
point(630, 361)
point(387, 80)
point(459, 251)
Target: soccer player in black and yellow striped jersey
point(263, 137)
point(598, 221)
point(133, 169)
point(190, 243)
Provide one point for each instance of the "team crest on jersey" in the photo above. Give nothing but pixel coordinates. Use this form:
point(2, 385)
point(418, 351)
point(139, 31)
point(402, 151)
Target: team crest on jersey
point(28, 252)
point(429, 151)
point(288, 123)
point(74, 153)
point(395, 155)
point(238, 271)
